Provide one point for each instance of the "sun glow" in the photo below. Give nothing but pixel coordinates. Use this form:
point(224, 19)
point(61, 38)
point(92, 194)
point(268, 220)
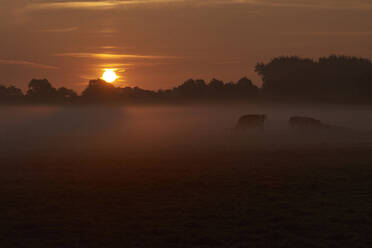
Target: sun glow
point(109, 75)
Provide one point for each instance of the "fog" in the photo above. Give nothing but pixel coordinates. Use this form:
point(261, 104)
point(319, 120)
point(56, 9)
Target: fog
point(91, 130)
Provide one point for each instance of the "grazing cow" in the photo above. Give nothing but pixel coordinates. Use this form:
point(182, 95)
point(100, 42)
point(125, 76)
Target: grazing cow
point(305, 122)
point(251, 121)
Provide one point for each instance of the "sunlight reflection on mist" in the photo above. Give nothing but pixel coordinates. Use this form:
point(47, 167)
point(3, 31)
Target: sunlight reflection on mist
point(149, 129)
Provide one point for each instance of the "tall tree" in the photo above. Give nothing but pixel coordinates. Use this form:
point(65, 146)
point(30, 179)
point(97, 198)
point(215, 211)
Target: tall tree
point(40, 90)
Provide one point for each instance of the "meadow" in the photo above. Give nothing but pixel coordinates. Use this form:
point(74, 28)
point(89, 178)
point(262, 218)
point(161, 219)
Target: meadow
point(180, 176)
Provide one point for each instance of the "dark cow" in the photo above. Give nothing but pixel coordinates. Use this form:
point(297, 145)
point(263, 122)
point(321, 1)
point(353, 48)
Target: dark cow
point(251, 121)
point(302, 122)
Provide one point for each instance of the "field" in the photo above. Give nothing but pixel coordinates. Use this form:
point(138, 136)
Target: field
point(179, 177)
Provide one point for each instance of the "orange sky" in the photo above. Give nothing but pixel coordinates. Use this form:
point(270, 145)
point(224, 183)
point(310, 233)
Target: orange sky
point(160, 43)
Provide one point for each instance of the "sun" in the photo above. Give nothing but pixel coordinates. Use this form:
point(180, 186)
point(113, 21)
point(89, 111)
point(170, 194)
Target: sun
point(109, 75)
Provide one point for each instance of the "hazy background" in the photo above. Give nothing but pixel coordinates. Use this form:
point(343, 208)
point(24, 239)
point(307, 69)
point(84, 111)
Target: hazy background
point(160, 43)
point(149, 130)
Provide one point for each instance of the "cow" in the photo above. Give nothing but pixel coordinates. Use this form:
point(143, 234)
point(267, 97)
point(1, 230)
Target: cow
point(251, 121)
point(302, 122)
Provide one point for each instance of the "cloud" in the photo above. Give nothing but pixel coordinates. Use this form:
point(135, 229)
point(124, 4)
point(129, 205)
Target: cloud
point(111, 4)
point(95, 5)
point(59, 30)
point(27, 63)
point(71, 5)
point(107, 56)
point(108, 47)
point(114, 65)
point(329, 33)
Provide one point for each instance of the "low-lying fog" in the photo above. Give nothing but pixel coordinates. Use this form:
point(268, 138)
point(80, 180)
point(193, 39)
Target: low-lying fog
point(148, 129)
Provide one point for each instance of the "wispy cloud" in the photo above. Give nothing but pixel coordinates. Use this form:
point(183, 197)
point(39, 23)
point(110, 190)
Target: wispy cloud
point(72, 5)
point(59, 30)
point(108, 47)
point(329, 33)
point(108, 56)
point(110, 4)
point(27, 63)
point(115, 65)
point(105, 4)
point(309, 4)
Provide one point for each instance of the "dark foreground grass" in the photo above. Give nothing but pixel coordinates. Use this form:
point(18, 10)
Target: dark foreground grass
point(287, 198)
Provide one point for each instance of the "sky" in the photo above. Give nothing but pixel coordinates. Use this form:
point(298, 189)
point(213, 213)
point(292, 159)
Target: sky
point(158, 44)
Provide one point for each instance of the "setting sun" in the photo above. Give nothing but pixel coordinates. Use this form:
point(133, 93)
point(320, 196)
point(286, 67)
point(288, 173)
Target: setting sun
point(109, 75)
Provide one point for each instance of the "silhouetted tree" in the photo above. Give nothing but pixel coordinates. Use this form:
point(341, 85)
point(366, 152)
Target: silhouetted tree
point(137, 94)
point(41, 91)
point(216, 88)
point(10, 94)
point(191, 89)
point(245, 88)
point(66, 95)
point(100, 91)
point(333, 78)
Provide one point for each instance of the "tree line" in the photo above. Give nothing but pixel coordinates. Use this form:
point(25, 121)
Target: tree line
point(98, 91)
point(338, 79)
point(331, 79)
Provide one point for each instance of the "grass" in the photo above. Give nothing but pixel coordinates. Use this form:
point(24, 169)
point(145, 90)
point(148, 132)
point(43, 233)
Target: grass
point(282, 198)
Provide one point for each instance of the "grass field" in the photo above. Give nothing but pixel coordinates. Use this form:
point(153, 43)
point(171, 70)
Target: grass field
point(180, 187)
point(288, 198)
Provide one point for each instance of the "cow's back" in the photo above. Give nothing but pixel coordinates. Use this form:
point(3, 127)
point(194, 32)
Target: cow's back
point(251, 121)
point(304, 122)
